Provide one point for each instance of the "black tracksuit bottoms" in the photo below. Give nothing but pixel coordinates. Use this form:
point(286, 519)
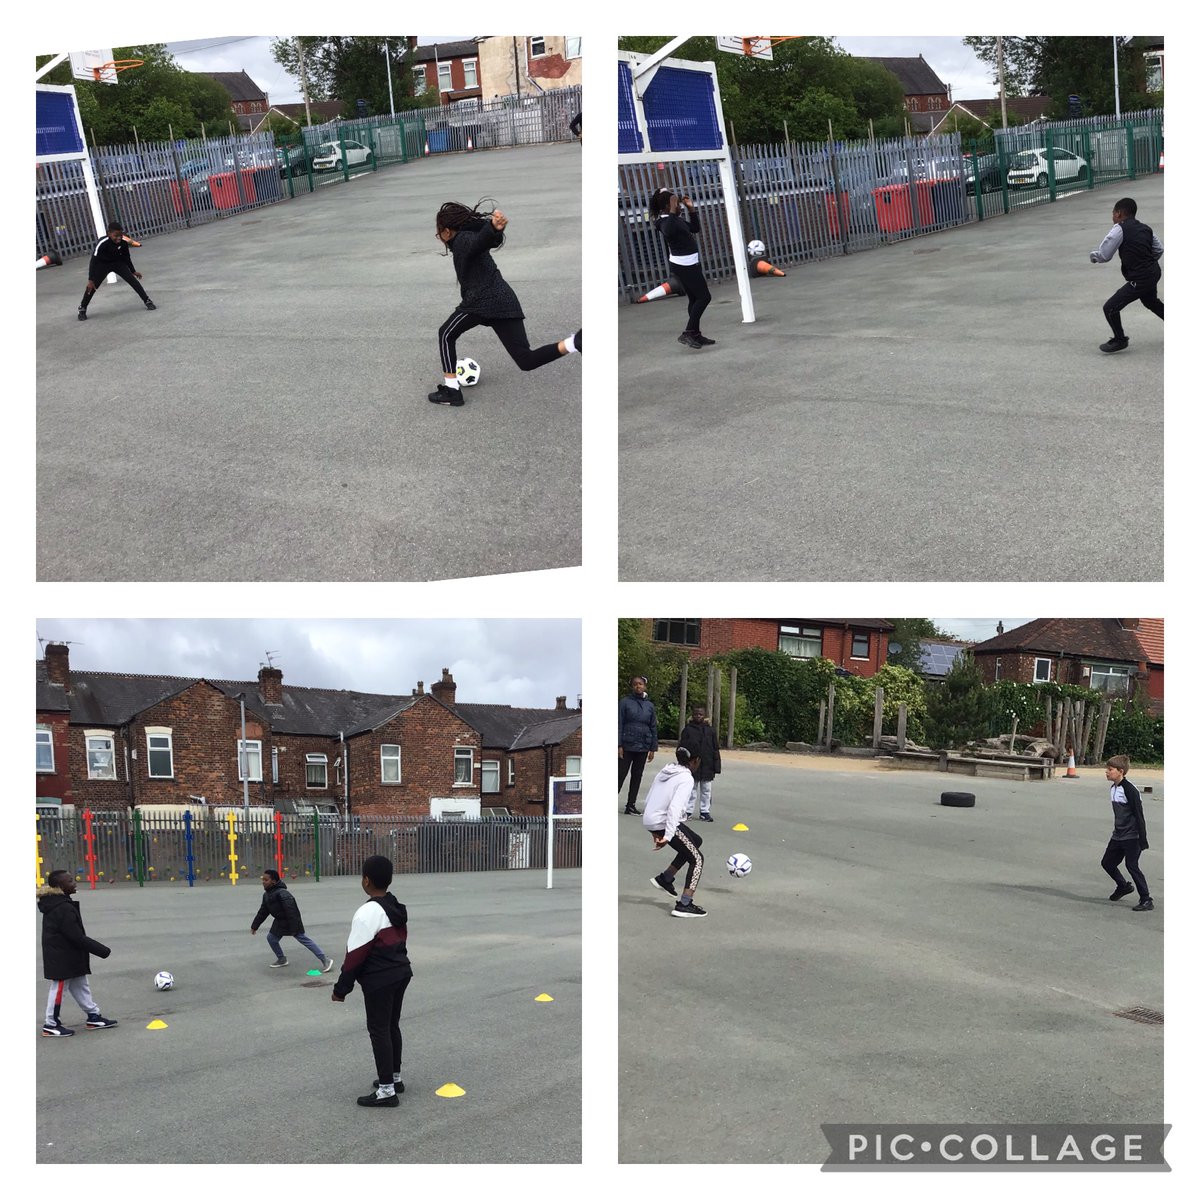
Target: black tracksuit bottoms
point(383, 1007)
point(698, 294)
point(122, 273)
point(510, 331)
point(686, 843)
point(1130, 851)
point(631, 763)
point(1130, 292)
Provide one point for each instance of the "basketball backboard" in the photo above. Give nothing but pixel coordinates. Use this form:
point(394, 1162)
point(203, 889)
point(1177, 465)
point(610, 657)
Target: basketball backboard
point(89, 64)
point(752, 47)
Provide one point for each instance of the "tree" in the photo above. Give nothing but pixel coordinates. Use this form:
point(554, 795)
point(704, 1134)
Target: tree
point(958, 707)
point(908, 632)
point(350, 69)
point(809, 84)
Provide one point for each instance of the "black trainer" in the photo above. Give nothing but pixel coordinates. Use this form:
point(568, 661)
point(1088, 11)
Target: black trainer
point(579, 340)
point(150, 306)
point(374, 1100)
point(664, 884)
point(447, 395)
point(56, 1029)
point(96, 1021)
point(705, 341)
point(1146, 905)
point(1123, 890)
point(688, 910)
point(689, 339)
point(706, 816)
point(630, 811)
point(1114, 344)
point(83, 314)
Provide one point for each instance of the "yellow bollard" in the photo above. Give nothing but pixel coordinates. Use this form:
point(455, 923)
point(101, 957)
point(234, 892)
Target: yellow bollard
point(37, 853)
point(233, 878)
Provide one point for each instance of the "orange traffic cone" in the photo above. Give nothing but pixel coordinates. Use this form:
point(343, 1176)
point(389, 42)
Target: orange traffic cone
point(470, 144)
point(427, 146)
point(764, 268)
point(671, 288)
point(1160, 159)
point(1071, 772)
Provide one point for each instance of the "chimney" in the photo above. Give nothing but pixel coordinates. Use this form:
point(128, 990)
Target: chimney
point(1130, 622)
point(445, 688)
point(270, 683)
point(419, 690)
point(58, 664)
point(560, 704)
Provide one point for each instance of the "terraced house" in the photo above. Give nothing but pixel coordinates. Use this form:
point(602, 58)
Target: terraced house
point(109, 741)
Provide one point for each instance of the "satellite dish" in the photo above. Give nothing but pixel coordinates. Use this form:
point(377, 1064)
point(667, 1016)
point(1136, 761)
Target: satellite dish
point(895, 647)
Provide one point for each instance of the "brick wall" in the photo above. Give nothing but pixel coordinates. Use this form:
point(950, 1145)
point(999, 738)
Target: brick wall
point(526, 797)
point(722, 635)
point(58, 783)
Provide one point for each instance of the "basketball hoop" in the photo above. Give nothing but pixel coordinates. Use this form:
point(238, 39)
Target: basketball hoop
point(119, 64)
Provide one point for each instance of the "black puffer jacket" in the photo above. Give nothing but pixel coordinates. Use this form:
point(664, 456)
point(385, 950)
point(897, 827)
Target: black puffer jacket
point(279, 903)
point(701, 739)
point(65, 945)
point(484, 290)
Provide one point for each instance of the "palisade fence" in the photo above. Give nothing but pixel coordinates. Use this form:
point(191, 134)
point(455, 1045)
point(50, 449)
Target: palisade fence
point(816, 200)
point(190, 847)
point(159, 187)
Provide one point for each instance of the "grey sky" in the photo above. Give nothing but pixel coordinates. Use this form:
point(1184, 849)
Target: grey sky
point(525, 663)
point(954, 64)
point(253, 55)
point(977, 629)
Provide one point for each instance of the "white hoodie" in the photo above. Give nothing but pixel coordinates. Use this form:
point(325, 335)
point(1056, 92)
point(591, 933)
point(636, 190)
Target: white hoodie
point(667, 800)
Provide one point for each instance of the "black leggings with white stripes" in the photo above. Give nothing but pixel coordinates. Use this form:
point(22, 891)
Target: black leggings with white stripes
point(686, 844)
point(510, 331)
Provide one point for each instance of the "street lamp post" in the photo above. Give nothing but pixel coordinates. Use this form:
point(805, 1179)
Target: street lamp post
point(244, 759)
point(388, 59)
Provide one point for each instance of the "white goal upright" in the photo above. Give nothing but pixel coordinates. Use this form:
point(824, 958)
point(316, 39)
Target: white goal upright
point(565, 804)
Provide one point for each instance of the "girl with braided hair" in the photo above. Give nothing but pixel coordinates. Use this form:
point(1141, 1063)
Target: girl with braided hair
point(683, 253)
point(470, 236)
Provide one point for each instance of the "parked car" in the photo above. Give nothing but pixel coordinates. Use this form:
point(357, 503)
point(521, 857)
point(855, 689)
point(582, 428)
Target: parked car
point(991, 176)
point(293, 159)
point(933, 168)
point(1031, 168)
point(329, 155)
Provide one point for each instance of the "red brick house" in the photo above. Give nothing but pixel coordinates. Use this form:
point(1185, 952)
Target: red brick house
point(247, 99)
point(1020, 110)
point(857, 646)
point(1120, 656)
point(449, 68)
point(110, 741)
point(925, 96)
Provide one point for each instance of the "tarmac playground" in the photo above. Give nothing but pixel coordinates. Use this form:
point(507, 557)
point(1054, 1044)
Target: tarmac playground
point(257, 1065)
point(270, 421)
point(887, 959)
point(935, 409)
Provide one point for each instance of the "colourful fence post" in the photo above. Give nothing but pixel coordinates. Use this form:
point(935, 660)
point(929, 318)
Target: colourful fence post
point(37, 851)
point(139, 849)
point(317, 847)
point(231, 818)
point(187, 841)
point(89, 840)
point(279, 842)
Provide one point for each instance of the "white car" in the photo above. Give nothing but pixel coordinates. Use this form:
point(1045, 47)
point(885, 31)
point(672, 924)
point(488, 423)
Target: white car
point(1031, 168)
point(329, 155)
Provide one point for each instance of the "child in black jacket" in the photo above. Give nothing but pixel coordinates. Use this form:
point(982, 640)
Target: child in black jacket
point(111, 256)
point(683, 253)
point(1129, 834)
point(1139, 250)
point(65, 955)
point(470, 236)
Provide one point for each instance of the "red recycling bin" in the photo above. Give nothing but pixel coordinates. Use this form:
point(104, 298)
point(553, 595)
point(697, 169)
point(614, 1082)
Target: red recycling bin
point(223, 187)
point(181, 196)
point(832, 208)
point(893, 206)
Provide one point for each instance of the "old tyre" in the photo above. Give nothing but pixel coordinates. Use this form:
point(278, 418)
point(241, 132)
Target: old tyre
point(958, 799)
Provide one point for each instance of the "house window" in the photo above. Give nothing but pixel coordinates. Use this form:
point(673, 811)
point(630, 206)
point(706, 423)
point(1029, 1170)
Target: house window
point(464, 766)
point(160, 759)
point(679, 631)
point(512, 772)
point(45, 748)
point(389, 764)
point(445, 83)
point(574, 767)
point(316, 771)
point(420, 80)
point(1112, 680)
point(1154, 72)
point(250, 761)
point(101, 762)
point(800, 641)
point(274, 764)
point(490, 780)
point(860, 645)
point(470, 72)
point(997, 670)
point(537, 47)
point(574, 47)
point(1042, 672)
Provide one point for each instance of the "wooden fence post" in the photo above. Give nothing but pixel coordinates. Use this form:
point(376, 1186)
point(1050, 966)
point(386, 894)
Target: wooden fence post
point(732, 708)
point(829, 727)
point(901, 728)
point(682, 699)
point(877, 734)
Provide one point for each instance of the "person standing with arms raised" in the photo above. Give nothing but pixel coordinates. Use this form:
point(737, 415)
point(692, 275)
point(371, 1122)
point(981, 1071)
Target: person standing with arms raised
point(638, 739)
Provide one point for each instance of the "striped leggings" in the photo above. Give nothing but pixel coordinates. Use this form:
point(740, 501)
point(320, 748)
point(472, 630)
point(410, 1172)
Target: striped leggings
point(510, 331)
point(686, 845)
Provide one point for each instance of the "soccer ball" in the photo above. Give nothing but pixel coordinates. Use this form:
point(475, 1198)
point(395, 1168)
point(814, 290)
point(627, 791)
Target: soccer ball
point(738, 865)
point(468, 372)
point(164, 981)
point(756, 248)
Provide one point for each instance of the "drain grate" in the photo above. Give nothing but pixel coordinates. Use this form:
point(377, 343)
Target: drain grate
point(1144, 1016)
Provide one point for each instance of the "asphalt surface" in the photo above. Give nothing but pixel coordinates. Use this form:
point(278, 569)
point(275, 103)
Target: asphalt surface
point(933, 410)
point(270, 421)
point(256, 1065)
point(886, 960)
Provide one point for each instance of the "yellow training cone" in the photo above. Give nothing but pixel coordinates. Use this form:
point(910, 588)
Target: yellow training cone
point(740, 828)
point(450, 1089)
point(157, 1025)
point(543, 997)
